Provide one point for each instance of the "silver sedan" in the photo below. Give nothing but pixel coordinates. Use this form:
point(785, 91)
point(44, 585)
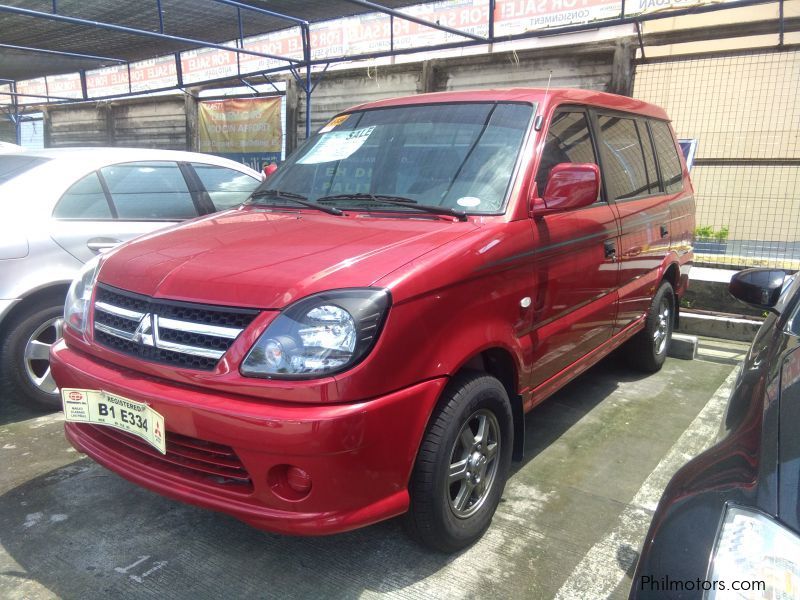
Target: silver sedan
point(61, 207)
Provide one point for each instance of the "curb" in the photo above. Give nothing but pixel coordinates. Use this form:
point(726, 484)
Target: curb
point(683, 346)
point(727, 327)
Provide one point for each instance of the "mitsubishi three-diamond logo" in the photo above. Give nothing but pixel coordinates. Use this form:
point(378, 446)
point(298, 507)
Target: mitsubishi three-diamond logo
point(145, 332)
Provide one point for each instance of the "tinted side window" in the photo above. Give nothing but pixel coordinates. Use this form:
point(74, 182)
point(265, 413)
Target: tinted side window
point(623, 162)
point(226, 187)
point(649, 158)
point(667, 157)
point(149, 190)
point(85, 199)
point(568, 141)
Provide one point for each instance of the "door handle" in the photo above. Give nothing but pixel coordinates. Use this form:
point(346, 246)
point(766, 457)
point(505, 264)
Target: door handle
point(610, 250)
point(664, 231)
point(102, 244)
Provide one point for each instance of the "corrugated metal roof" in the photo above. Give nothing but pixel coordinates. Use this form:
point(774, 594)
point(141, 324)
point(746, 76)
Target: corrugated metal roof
point(199, 19)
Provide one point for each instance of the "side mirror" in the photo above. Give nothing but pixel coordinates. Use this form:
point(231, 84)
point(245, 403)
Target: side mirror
point(569, 186)
point(269, 169)
point(758, 287)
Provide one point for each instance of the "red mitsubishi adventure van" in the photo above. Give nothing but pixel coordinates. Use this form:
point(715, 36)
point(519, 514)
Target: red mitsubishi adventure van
point(363, 337)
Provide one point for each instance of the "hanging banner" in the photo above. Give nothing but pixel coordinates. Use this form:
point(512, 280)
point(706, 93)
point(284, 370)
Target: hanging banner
point(37, 88)
point(248, 130)
point(108, 81)
point(154, 74)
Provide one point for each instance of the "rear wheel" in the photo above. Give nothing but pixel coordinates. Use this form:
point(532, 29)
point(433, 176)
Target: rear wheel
point(25, 356)
point(647, 350)
point(462, 465)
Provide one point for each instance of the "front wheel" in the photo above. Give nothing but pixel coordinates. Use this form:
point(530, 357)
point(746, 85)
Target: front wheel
point(462, 465)
point(647, 350)
point(25, 356)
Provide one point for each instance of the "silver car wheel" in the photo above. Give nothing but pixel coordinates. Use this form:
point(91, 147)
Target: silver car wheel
point(37, 354)
point(473, 464)
point(661, 333)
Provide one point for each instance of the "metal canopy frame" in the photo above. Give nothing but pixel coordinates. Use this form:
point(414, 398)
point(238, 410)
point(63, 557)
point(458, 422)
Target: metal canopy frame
point(301, 69)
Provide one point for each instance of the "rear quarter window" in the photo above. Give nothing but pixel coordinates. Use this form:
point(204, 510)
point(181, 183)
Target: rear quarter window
point(622, 156)
point(668, 161)
point(85, 199)
point(226, 187)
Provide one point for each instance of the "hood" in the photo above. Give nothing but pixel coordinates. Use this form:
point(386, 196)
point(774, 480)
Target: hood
point(252, 257)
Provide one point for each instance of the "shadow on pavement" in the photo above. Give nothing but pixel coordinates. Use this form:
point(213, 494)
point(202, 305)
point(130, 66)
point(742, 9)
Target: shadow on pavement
point(12, 412)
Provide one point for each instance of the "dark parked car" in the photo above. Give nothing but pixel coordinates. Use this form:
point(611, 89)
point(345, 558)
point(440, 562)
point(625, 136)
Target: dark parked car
point(728, 524)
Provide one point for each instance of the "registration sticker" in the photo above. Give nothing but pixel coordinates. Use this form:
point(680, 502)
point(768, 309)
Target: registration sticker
point(335, 122)
point(102, 408)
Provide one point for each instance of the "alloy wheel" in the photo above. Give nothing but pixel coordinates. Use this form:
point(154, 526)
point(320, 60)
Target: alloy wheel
point(37, 354)
point(473, 464)
point(661, 334)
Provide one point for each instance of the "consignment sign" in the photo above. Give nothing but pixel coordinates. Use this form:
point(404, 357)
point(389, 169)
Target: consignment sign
point(248, 130)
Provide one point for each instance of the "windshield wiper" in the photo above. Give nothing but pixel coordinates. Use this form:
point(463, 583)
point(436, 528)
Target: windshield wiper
point(398, 201)
point(297, 198)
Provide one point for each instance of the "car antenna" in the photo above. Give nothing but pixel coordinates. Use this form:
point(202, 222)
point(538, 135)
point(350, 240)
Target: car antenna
point(537, 122)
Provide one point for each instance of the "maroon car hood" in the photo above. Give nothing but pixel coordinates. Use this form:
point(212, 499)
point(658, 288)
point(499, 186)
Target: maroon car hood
point(256, 258)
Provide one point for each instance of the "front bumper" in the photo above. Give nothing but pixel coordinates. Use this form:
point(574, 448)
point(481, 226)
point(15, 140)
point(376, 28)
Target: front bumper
point(359, 455)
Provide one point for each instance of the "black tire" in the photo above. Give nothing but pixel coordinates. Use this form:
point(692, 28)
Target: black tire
point(16, 371)
point(434, 520)
point(645, 351)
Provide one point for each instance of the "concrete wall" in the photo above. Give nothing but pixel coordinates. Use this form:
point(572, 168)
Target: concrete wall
point(148, 123)
point(170, 121)
point(589, 66)
point(7, 131)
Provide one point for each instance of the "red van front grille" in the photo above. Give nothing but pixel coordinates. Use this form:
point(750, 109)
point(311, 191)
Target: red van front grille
point(204, 462)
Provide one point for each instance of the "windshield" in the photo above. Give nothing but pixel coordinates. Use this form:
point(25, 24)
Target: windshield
point(457, 156)
point(12, 165)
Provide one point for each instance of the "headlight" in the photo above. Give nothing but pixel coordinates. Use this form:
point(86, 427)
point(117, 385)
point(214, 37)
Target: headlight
point(752, 548)
point(320, 335)
point(79, 296)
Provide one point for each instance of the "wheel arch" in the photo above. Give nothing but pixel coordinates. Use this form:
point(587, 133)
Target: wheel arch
point(54, 291)
point(500, 363)
point(672, 275)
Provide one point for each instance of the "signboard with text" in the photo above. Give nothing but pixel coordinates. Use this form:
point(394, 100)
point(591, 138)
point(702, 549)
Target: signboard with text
point(248, 130)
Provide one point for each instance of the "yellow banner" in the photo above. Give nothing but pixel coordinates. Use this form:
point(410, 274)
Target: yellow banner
point(240, 125)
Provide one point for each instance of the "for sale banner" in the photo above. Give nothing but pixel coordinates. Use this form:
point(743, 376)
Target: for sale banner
point(37, 88)
point(248, 130)
point(153, 74)
point(108, 81)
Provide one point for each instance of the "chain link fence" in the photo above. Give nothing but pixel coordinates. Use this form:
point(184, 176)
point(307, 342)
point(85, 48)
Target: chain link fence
point(744, 111)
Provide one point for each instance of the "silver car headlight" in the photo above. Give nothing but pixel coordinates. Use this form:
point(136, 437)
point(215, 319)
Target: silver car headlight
point(79, 296)
point(752, 549)
point(320, 335)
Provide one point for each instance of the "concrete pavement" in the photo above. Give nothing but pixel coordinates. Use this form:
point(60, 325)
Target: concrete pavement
point(572, 517)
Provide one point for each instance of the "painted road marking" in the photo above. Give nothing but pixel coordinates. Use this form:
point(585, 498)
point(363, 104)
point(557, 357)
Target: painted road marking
point(605, 564)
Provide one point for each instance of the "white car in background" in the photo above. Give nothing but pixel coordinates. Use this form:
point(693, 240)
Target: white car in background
point(9, 147)
point(61, 207)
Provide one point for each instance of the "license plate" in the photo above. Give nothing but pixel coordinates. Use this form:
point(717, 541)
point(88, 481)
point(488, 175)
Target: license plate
point(102, 408)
